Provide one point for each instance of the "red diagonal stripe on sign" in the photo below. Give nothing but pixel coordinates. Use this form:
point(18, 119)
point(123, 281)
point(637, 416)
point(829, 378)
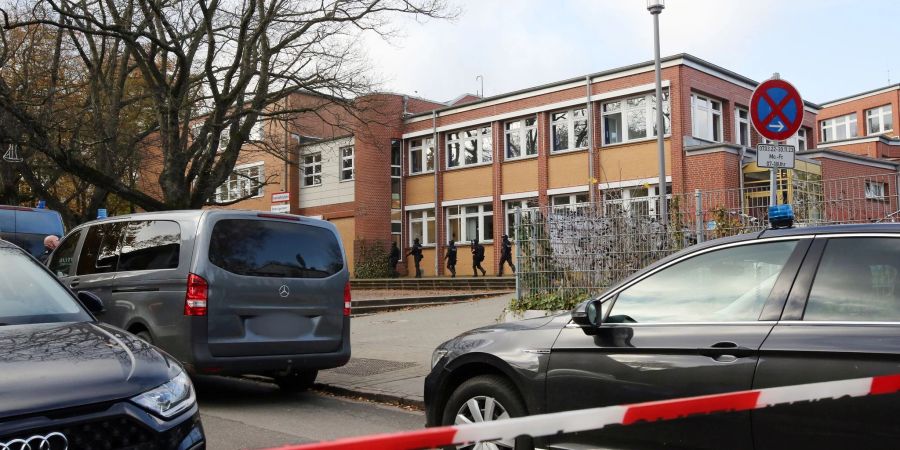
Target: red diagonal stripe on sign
point(886, 384)
point(776, 109)
point(427, 438)
point(669, 409)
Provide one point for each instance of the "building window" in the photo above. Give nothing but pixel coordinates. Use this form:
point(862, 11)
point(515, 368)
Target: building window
point(312, 170)
point(633, 118)
point(706, 115)
point(879, 120)
point(421, 226)
point(801, 140)
point(347, 163)
point(396, 173)
point(521, 138)
point(639, 201)
point(257, 131)
point(467, 223)
point(244, 182)
point(835, 129)
point(421, 155)
point(570, 129)
point(568, 202)
point(511, 206)
point(465, 148)
point(741, 127)
point(875, 190)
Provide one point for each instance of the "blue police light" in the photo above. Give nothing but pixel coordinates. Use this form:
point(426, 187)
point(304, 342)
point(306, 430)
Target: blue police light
point(781, 216)
point(41, 204)
point(101, 213)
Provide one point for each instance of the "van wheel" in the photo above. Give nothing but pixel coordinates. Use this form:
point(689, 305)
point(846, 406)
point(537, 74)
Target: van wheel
point(297, 381)
point(145, 336)
point(486, 398)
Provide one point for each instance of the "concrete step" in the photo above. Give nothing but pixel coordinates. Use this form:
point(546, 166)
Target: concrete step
point(377, 305)
point(461, 283)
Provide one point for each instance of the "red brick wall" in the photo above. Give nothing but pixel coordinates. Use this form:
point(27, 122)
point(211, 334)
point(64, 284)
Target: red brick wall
point(844, 191)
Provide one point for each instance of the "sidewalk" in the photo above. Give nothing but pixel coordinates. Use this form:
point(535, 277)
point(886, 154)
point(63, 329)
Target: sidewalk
point(392, 351)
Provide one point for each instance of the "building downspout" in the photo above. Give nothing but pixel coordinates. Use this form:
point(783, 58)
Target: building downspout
point(437, 204)
point(741, 177)
point(590, 131)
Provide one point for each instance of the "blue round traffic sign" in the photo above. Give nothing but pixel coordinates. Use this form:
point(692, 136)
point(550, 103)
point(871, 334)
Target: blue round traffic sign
point(776, 109)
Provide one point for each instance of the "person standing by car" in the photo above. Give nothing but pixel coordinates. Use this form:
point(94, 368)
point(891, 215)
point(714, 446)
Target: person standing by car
point(477, 258)
point(451, 258)
point(416, 253)
point(394, 258)
point(50, 244)
point(506, 255)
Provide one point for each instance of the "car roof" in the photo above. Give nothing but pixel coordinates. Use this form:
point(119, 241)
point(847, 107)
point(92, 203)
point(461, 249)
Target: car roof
point(188, 214)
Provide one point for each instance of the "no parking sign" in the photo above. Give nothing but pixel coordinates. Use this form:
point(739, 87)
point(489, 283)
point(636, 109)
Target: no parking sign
point(776, 109)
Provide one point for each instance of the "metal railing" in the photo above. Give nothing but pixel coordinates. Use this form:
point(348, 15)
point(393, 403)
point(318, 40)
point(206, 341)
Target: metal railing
point(573, 251)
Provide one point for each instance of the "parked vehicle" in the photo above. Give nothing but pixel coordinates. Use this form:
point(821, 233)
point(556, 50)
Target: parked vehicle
point(27, 227)
point(776, 308)
point(70, 382)
point(223, 291)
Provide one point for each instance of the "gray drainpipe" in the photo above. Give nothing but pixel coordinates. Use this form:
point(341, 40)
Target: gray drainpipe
point(437, 205)
point(590, 130)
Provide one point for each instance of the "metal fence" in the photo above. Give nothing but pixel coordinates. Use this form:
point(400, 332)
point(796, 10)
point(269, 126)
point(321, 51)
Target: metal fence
point(573, 251)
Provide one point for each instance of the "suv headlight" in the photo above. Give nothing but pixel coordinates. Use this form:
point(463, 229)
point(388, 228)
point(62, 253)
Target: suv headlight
point(169, 399)
point(437, 355)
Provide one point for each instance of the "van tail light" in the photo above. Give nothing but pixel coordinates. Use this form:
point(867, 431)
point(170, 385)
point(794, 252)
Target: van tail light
point(196, 296)
point(347, 299)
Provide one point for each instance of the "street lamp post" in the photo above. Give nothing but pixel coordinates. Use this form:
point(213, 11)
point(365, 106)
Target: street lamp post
point(655, 7)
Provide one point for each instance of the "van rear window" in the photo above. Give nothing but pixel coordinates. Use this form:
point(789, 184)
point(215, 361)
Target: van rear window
point(266, 248)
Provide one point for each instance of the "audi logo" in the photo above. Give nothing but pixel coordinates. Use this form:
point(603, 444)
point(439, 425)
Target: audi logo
point(52, 441)
point(283, 291)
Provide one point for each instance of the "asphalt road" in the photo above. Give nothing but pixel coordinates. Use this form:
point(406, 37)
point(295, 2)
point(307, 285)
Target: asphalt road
point(248, 414)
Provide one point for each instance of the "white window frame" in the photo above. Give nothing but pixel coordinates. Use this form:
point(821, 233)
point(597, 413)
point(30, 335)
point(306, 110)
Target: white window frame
point(739, 123)
point(257, 131)
point(522, 133)
point(462, 215)
point(344, 168)
point(484, 146)
point(570, 202)
point(801, 138)
point(626, 197)
point(240, 178)
point(427, 219)
point(847, 122)
point(316, 172)
point(880, 113)
point(712, 108)
point(423, 146)
point(572, 118)
point(621, 108)
point(876, 190)
point(510, 207)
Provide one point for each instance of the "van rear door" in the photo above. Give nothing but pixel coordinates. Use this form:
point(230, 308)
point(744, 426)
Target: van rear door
point(276, 286)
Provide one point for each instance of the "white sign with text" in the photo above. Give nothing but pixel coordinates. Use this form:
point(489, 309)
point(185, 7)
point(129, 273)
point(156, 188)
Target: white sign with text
point(775, 156)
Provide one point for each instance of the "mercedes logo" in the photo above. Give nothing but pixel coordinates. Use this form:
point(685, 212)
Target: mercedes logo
point(283, 291)
point(52, 441)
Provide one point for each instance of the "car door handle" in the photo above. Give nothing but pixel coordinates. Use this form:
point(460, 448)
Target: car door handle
point(73, 282)
point(724, 348)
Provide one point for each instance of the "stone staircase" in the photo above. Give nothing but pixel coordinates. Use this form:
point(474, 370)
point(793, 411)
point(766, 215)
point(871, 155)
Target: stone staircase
point(504, 284)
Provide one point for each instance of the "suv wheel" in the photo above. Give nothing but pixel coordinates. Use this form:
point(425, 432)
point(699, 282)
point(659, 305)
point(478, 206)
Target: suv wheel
point(486, 398)
point(297, 381)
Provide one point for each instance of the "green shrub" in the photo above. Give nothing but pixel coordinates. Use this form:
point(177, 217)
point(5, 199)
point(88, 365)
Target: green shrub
point(372, 260)
point(561, 300)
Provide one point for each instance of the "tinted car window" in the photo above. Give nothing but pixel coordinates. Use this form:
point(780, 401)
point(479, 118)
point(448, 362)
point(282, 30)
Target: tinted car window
point(41, 222)
point(274, 249)
point(100, 250)
point(64, 256)
point(857, 280)
point(28, 294)
point(7, 220)
point(725, 285)
point(150, 245)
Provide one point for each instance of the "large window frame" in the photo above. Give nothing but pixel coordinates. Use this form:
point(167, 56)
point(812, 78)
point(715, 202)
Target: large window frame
point(710, 110)
point(470, 147)
point(421, 155)
point(838, 128)
point(882, 117)
point(240, 183)
point(480, 215)
point(347, 169)
point(311, 170)
point(565, 127)
point(510, 207)
point(622, 118)
point(521, 138)
point(422, 225)
point(742, 127)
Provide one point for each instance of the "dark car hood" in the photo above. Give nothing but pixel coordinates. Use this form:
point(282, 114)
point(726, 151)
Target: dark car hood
point(52, 366)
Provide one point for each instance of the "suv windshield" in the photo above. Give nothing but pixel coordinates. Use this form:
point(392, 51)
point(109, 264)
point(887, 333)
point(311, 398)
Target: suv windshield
point(28, 294)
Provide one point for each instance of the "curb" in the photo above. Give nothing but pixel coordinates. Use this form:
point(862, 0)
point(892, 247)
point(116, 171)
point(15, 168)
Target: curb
point(372, 395)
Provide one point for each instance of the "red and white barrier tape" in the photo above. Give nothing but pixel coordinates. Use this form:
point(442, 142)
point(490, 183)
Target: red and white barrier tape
point(594, 418)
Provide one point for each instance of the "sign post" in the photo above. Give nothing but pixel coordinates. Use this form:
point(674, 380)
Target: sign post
point(776, 111)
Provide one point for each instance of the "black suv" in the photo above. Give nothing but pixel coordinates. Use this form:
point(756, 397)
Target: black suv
point(775, 308)
point(68, 382)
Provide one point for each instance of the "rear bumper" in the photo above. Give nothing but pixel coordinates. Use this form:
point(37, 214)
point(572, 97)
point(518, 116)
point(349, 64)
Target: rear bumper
point(203, 362)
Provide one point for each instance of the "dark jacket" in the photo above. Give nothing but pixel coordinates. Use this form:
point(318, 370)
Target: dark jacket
point(395, 254)
point(416, 252)
point(506, 249)
point(478, 252)
point(451, 255)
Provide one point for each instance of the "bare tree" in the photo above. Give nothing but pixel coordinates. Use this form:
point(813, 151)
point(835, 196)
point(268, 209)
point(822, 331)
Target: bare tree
point(207, 71)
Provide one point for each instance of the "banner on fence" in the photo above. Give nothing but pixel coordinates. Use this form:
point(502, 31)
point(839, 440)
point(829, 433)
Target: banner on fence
point(595, 418)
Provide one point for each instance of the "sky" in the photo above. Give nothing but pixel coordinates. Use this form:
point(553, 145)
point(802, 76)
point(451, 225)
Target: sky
point(826, 48)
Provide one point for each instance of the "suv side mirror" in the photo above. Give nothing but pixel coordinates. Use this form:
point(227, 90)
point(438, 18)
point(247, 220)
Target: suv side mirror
point(587, 314)
point(91, 301)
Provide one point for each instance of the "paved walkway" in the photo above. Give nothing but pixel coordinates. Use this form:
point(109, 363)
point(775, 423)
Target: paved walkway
point(392, 351)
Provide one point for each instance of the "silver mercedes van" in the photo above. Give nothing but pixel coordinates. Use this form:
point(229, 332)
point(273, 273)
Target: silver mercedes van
point(223, 291)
